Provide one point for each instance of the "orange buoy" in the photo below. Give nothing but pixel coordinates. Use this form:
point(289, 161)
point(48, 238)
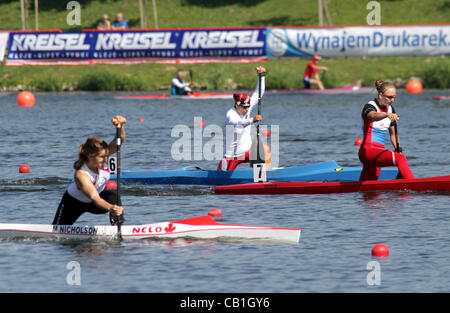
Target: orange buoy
point(215, 212)
point(380, 250)
point(24, 168)
point(26, 99)
point(358, 141)
point(111, 184)
point(414, 86)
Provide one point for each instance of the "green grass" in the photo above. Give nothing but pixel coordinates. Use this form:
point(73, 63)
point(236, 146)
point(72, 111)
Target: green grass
point(225, 13)
point(283, 73)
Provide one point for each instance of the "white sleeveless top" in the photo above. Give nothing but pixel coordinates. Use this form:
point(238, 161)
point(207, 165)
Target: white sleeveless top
point(99, 180)
point(376, 130)
point(238, 138)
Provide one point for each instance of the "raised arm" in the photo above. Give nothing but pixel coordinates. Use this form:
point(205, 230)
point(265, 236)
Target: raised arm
point(119, 122)
point(254, 98)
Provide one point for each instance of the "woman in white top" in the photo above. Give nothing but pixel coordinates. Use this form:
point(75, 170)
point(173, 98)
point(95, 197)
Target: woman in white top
point(87, 193)
point(238, 140)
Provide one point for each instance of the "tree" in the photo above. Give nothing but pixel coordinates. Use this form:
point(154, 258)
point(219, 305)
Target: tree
point(25, 17)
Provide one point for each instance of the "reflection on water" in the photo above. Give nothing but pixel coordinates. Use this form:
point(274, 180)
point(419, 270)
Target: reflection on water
point(399, 199)
point(386, 200)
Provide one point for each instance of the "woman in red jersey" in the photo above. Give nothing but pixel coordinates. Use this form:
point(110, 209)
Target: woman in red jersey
point(378, 116)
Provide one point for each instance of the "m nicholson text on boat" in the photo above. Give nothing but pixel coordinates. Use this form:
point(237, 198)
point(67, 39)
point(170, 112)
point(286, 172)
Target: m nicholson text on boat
point(82, 230)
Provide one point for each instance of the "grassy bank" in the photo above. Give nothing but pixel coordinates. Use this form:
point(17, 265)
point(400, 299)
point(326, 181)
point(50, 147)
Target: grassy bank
point(284, 73)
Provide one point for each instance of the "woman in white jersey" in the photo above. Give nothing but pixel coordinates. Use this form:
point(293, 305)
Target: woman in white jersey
point(238, 140)
point(87, 191)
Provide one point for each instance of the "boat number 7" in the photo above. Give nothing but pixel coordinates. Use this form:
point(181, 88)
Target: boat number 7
point(259, 173)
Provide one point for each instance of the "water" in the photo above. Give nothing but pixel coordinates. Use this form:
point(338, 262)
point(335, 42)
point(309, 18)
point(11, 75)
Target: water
point(338, 231)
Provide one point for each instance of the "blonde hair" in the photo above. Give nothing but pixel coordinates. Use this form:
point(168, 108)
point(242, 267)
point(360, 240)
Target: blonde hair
point(91, 147)
point(382, 86)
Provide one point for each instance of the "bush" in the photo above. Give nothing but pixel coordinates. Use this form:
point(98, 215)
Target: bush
point(436, 76)
point(330, 79)
point(110, 81)
point(47, 82)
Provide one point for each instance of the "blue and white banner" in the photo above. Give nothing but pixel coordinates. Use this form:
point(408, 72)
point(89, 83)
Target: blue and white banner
point(198, 45)
point(224, 45)
point(359, 41)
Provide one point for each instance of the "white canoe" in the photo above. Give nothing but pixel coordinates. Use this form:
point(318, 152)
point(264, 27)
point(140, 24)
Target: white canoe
point(201, 227)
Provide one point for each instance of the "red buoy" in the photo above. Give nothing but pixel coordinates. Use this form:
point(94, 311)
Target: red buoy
point(26, 99)
point(141, 119)
point(215, 212)
point(111, 185)
point(201, 124)
point(24, 168)
point(266, 133)
point(380, 250)
point(414, 86)
point(358, 141)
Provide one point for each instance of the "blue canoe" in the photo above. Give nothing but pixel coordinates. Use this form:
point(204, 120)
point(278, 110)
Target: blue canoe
point(192, 175)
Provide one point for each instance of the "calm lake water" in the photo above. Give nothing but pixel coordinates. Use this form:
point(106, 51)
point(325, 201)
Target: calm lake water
point(338, 231)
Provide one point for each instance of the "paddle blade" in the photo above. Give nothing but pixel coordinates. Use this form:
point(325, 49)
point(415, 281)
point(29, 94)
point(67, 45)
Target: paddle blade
point(116, 220)
point(257, 154)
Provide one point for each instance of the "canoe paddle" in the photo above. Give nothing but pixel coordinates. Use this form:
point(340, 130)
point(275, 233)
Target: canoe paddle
point(398, 149)
point(259, 172)
point(118, 219)
point(258, 134)
point(191, 77)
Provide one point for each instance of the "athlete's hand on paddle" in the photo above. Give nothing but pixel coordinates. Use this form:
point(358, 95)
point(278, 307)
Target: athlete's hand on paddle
point(257, 118)
point(393, 116)
point(116, 210)
point(118, 121)
point(261, 70)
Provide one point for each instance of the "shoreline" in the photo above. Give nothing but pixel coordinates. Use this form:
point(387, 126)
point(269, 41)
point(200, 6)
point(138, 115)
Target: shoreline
point(283, 73)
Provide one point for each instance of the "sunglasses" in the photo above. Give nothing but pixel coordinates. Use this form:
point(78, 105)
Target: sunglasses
point(390, 97)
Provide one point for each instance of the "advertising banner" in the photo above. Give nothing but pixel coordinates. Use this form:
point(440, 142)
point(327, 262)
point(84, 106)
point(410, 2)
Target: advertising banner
point(359, 41)
point(171, 46)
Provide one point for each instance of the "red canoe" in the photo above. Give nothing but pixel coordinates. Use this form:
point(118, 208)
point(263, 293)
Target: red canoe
point(194, 95)
point(327, 91)
point(282, 187)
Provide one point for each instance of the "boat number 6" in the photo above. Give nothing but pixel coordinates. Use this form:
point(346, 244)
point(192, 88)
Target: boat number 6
point(112, 165)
